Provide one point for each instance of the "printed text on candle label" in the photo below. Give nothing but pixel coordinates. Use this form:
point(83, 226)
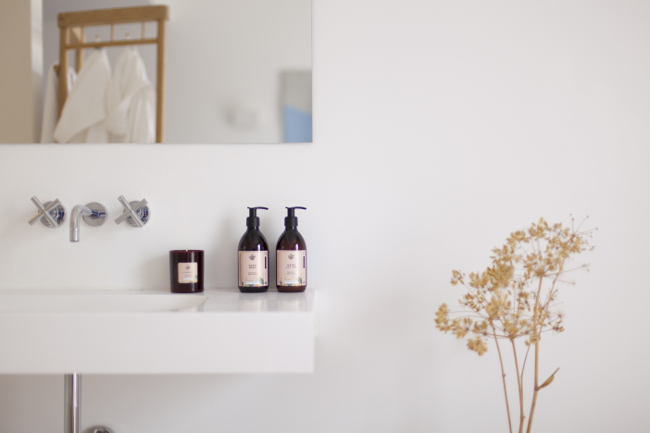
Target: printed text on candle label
point(188, 273)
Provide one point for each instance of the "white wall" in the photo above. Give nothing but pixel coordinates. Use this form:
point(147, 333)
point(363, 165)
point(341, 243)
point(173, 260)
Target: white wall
point(439, 128)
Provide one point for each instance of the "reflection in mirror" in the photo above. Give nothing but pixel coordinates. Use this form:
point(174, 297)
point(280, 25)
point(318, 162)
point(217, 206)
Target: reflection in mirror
point(236, 72)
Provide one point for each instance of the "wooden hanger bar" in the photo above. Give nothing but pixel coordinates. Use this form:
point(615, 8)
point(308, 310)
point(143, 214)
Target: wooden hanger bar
point(114, 16)
point(77, 37)
point(102, 44)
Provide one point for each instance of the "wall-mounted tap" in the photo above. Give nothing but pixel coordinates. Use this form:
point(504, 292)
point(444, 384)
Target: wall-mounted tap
point(136, 213)
point(51, 214)
point(93, 213)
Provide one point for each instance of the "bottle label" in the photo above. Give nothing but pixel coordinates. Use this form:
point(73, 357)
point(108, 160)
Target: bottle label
point(254, 268)
point(188, 273)
point(292, 268)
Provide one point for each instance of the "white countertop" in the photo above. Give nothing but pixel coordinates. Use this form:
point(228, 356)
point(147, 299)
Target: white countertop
point(156, 332)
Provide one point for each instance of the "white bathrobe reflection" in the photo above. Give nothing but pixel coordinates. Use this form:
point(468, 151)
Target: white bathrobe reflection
point(84, 112)
point(131, 101)
point(51, 104)
point(101, 109)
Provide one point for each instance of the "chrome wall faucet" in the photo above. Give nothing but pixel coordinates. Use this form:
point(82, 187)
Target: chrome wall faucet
point(94, 214)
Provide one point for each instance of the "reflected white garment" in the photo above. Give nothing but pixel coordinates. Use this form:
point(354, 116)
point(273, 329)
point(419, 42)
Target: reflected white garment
point(51, 105)
point(131, 101)
point(84, 112)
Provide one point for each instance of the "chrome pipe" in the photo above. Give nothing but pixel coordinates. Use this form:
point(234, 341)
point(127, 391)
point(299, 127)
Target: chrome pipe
point(93, 213)
point(77, 212)
point(72, 408)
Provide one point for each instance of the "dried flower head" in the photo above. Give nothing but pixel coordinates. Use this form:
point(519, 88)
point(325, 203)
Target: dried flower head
point(509, 297)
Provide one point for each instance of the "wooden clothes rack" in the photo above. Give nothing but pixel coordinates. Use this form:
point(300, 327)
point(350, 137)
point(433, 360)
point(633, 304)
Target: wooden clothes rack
point(71, 25)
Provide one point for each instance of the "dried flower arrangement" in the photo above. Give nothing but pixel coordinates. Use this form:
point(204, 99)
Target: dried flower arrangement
point(517, 298)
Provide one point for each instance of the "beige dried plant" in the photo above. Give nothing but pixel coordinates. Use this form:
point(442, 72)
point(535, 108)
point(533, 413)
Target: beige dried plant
point(515, 299)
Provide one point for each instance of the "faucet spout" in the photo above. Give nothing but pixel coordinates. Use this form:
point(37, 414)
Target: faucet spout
point(95, 212)
point(75, 216)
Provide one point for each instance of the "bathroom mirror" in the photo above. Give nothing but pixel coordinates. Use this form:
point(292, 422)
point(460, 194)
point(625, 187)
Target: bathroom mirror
point(236, 71)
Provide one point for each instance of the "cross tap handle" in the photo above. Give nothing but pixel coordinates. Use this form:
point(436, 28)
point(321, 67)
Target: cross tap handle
point(136, 213)
point(51, 214)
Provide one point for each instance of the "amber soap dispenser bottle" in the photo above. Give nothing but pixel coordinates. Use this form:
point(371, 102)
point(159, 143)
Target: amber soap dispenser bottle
point(253, 256)
point(291, 256)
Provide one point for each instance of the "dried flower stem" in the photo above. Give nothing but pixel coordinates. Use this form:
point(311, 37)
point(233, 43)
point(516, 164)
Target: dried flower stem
point(540, 326)
point(503, 377)
point(536, 380)
point(520, 387)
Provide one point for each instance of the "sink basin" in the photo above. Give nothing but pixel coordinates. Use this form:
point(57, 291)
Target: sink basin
point(104, 302)
point(155, 332)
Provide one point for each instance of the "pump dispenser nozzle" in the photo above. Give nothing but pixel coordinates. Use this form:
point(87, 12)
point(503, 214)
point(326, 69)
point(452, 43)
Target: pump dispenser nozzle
point(291, 220)
point(253, 220)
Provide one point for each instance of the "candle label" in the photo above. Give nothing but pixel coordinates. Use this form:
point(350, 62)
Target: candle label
point(292, 268)
point(188, 273)
point(253, 268)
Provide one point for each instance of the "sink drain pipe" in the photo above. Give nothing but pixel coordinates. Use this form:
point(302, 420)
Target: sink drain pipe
point(72, 406)
point(71, 403)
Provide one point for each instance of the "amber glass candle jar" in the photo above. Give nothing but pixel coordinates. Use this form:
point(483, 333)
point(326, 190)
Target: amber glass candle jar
point(186, 271)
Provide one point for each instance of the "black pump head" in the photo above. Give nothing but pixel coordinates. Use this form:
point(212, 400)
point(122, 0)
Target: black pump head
point(253, 220)
point(291, 220)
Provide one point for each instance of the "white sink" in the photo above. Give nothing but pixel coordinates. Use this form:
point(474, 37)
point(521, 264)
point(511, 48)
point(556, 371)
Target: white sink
point(89, 302)
point(142, 332)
